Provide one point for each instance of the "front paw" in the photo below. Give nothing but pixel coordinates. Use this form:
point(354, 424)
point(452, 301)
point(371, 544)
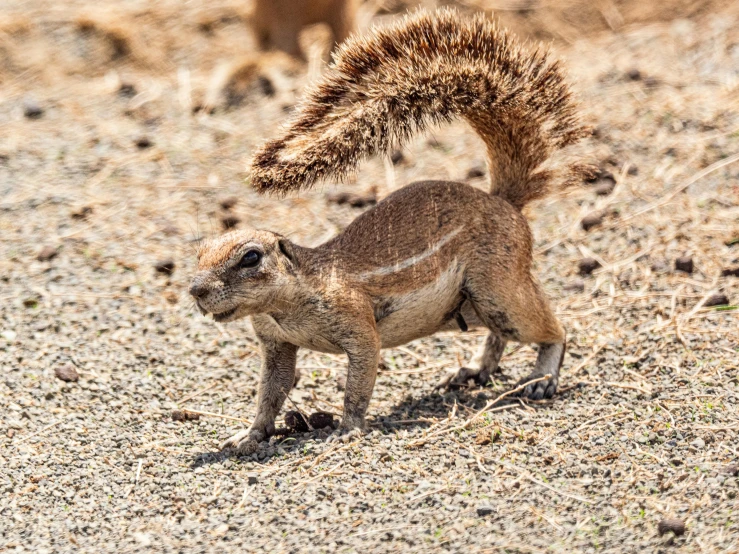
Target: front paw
point(348, 431)
point(460, 378)
point(537, 391)
point(245, 442)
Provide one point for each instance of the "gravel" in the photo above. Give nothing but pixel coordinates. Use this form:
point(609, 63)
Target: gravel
point(642, 430)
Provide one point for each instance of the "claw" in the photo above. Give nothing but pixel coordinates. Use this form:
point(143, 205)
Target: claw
point(344, 435)
point(460, 378)
point(540, 390)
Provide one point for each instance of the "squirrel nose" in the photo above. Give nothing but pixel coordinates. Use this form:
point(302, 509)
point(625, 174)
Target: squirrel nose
point(198, 290)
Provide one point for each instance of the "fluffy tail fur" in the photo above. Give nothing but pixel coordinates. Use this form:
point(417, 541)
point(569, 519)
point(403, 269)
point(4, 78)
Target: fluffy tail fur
point(426, 69)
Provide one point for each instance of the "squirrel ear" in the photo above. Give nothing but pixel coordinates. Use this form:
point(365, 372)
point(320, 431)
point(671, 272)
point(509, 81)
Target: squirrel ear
point(286, 247)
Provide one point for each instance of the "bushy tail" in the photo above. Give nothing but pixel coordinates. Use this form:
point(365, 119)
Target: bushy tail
point(426, 69)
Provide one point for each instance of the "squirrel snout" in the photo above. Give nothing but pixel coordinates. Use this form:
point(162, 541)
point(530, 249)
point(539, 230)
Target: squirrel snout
point(198, 289)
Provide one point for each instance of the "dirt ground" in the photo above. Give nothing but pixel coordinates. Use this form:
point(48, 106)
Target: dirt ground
point(108, 171)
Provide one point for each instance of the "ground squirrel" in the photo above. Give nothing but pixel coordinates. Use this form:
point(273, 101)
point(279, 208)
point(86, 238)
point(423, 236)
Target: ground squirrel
point(432, 256)
point(277, 23)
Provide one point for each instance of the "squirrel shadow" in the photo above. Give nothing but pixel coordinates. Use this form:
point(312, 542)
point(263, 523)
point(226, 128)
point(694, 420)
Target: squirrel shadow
point(408, 414)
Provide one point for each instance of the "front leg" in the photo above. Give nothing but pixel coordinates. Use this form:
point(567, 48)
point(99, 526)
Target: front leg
point(276, 380)
point(363, 351)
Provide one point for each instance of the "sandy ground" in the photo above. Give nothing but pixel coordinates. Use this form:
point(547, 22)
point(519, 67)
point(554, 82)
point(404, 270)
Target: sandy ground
point(106, 171)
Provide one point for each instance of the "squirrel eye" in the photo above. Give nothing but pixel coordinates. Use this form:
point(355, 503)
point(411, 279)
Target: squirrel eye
point(250, 259)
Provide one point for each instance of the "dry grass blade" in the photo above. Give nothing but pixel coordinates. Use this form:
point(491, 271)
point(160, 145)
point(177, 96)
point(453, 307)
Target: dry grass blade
point(480, 413)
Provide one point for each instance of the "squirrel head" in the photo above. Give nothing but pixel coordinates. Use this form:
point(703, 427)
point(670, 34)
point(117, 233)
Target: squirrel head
point(244, 273)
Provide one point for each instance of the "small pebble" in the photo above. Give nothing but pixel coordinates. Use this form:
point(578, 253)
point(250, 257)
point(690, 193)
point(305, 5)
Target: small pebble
point(587, 265)
point(698, 443)
point(230, 221)
point(685, 264)
point(67, 373)
point(732, 470)
point(576, 286)
point(143, 142)
point(605, 188)
point(476, 172)
point(127, 90)
point(677, 526)
point(718, 299)
point(31, 109)
point(659, 266)
point(598, 175)
point(354, 200)
point(47, 253)
point(165, 266)
point(485, 510)
point(229, 202)
point(591, 220)
point(81, 213)
point(252, 479)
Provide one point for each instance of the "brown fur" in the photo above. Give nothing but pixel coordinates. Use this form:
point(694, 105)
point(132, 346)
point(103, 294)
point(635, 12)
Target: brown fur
point(429, 257)
point(278, 23)
point(426, 69)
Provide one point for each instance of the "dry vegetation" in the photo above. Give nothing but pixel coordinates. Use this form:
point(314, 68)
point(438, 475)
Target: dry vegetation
point(122, 144)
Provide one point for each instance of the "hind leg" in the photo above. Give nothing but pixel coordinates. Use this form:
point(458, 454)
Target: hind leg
point(483, 365)
point(519, 311)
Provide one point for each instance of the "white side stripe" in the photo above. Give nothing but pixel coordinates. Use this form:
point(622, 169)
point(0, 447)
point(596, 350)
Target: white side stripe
point(413, 260)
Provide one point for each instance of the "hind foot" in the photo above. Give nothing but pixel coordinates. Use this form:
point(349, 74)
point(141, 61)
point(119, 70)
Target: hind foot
point(461, 378)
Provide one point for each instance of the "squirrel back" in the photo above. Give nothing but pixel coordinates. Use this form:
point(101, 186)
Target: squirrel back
point(430, 68)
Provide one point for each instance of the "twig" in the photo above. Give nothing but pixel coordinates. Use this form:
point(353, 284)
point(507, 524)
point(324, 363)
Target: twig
point(198, 393)
point(324, 474)
point(424, 495)
point(589, 422)
point(546, 486)
point(138, 472)
point(677, 190)
point(546, 518)
point(627, 386)
point(587, 360)
point(222, 416)
point(487, 407)
point(42, 430)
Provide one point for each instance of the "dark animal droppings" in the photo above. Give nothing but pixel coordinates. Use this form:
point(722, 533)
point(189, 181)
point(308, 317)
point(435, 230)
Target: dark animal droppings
point(296, 422)
point(671, 524)
point(165, 266)
point(321, 420)
point(587, 265)
point(591, 220)
point(143, 142)
point(184, 415)
point(684, 264)
point(717, 299)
